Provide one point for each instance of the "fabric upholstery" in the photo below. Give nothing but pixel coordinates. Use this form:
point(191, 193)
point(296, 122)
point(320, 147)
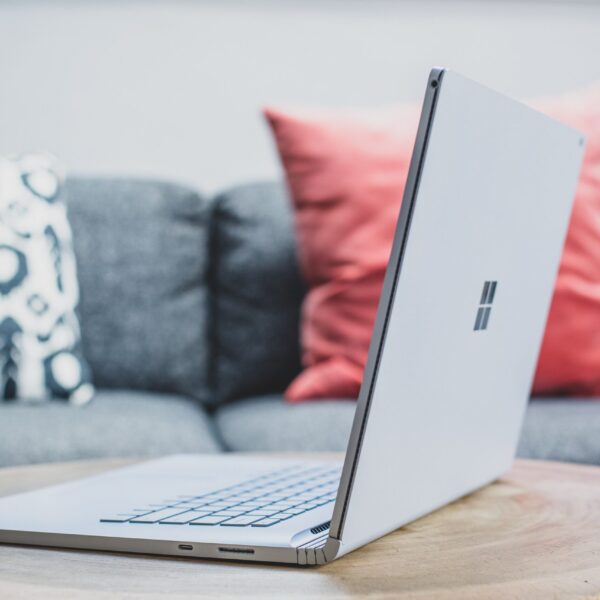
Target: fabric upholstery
point(141, 248)
point(562, 429)
point(271, 424)
point(346, 172)
point(257, 291)
point(116, 424)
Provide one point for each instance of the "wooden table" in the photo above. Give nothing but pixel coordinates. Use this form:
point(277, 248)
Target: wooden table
point(536, 534)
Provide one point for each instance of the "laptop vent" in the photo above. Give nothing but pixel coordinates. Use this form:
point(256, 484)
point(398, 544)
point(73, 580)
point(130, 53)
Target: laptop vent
point(321, 528)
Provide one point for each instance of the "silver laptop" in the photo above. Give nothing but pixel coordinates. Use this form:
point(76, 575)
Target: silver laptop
point(451, 361)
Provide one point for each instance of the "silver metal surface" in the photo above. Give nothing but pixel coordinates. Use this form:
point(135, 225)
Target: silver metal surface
point(441, 406)
point(68, 515)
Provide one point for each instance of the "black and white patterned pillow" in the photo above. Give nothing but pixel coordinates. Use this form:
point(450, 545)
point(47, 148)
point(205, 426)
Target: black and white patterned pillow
point(40, 354)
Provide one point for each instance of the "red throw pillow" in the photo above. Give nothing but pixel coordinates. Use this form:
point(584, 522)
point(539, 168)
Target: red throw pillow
point(346, 173)
point(569, 360)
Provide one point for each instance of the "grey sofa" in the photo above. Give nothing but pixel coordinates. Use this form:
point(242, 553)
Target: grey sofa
point(189, 313)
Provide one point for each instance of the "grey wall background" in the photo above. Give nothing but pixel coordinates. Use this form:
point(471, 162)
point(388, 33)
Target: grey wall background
point(173, 89)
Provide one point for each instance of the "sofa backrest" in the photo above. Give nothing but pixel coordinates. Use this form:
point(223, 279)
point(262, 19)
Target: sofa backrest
point(186, 295)
point(256, 291)
point(141, 249)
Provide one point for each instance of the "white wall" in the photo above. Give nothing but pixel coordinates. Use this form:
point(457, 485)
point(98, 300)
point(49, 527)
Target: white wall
point(173, 89)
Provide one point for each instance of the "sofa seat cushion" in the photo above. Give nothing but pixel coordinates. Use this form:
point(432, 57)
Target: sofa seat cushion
point(116, 424)
point(565, 430)
point(142, 256)
point(268, 423)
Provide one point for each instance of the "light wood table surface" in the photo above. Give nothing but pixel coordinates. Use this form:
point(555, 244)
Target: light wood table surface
point(535, 534)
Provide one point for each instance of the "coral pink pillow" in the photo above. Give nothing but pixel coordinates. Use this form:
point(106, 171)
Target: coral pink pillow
point(569, 361)
point(346, 173)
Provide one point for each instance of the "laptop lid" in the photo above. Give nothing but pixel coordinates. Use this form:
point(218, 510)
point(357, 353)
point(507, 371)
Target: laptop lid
point(462, 311)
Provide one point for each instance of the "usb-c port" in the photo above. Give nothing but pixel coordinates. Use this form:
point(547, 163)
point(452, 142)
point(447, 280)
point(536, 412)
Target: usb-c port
point(186, 547)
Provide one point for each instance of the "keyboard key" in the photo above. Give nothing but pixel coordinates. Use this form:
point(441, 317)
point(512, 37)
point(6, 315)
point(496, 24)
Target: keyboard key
point(281, 505)
point(305, 496)
point(282, 516)
point(250, 505)
point(330, 494)
point(183, 518)
point(267, 489)
point(209, 520)
point(155, 517)
point(117, 518)
point(293, 511)
point(266, 522)
point(228, 513)
point(219, 505)
point(321, 501)
point(211, 499)
point(264, 512)
point(241, 521)
point(245, 497)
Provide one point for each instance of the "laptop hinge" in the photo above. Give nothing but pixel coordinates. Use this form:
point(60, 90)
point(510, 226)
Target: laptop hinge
point(318, 551)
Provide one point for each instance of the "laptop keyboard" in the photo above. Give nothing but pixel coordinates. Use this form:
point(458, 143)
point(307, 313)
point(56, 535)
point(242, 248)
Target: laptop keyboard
point(260, 502)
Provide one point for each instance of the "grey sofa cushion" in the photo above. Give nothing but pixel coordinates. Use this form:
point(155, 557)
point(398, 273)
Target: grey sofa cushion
point(141, 249)
point(565, 429)
point(257, 291)
point(115, 424)
point(270, 424)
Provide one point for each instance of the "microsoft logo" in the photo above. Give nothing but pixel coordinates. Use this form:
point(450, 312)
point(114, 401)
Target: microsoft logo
point(485, 305)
